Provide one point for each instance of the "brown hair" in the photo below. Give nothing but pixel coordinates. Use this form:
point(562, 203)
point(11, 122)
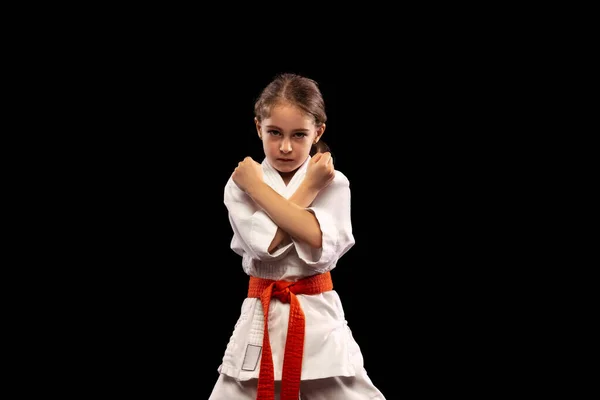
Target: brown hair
point(298, 91)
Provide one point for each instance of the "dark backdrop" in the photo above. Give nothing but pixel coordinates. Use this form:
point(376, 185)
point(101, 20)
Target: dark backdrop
point(166, 135)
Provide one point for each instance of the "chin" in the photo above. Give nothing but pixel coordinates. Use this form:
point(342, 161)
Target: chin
point(285, 167)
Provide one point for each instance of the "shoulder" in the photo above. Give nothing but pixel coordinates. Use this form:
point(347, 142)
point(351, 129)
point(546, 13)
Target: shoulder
point(340, 184)
point(232, 190)
point(340, 179)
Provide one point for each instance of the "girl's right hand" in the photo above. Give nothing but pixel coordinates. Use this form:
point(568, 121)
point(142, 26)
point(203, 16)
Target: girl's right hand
point(320, 171)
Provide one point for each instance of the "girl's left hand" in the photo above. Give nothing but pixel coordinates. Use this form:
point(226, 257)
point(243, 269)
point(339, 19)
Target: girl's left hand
point(247, 174)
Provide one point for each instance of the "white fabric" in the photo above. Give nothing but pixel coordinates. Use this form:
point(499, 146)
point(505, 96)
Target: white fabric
point(329, 348)
point(358, 387)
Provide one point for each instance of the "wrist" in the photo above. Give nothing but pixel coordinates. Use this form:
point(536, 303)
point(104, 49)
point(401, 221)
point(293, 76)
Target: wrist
point(253, 188)
point(308, 190)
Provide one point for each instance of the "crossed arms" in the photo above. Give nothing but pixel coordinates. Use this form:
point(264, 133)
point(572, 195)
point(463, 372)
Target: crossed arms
point(290, 216)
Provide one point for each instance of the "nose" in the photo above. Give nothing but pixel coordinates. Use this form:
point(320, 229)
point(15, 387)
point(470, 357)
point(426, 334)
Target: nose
point(286, 146)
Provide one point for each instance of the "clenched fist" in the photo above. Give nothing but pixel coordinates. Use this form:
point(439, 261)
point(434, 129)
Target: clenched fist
point(247, 173)
point(320, 171)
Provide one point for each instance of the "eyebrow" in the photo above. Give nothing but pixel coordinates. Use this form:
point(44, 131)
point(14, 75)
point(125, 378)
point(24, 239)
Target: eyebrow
point(278, 128)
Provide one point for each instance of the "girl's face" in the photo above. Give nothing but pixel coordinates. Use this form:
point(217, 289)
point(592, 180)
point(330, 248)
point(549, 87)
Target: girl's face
point(287, 137)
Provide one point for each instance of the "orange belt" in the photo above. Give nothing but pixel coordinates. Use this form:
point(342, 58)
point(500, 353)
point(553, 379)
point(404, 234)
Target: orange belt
point(294, 346)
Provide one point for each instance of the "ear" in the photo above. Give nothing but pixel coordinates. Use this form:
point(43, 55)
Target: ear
point(320, 131)
point(257, 124)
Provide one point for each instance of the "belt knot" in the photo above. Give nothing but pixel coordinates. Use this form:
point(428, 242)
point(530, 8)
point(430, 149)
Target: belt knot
point(281, 291)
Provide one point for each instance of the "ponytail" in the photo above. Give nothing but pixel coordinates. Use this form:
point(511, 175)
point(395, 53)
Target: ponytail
point(319, 147)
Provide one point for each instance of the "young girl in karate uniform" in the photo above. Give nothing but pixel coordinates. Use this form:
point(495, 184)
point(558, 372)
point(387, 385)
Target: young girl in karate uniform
point(290, 216)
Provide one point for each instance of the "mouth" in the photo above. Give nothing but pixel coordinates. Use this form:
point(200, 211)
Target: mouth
point(285, 159)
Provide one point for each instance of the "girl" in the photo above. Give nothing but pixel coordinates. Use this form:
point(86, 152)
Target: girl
point(290, 217)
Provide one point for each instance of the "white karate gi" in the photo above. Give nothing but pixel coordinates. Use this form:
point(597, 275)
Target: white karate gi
point(330, 351)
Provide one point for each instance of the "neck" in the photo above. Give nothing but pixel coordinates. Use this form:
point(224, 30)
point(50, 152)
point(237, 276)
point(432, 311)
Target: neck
point(287, 176)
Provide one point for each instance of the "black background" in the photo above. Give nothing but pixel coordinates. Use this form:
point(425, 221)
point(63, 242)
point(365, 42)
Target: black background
point(402, 284)
point(164, 131)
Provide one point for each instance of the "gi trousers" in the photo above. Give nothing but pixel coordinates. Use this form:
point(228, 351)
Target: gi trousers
point(357, 387)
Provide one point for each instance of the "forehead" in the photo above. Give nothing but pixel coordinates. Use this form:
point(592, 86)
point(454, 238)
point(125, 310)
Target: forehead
point(289, 117)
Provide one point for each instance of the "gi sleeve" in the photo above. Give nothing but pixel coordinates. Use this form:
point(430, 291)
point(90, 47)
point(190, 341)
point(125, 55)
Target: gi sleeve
point(253, 229)
point(331, 207)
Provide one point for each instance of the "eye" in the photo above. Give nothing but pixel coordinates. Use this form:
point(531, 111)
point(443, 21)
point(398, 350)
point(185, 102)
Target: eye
point(299, 134)
point(273, 132)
